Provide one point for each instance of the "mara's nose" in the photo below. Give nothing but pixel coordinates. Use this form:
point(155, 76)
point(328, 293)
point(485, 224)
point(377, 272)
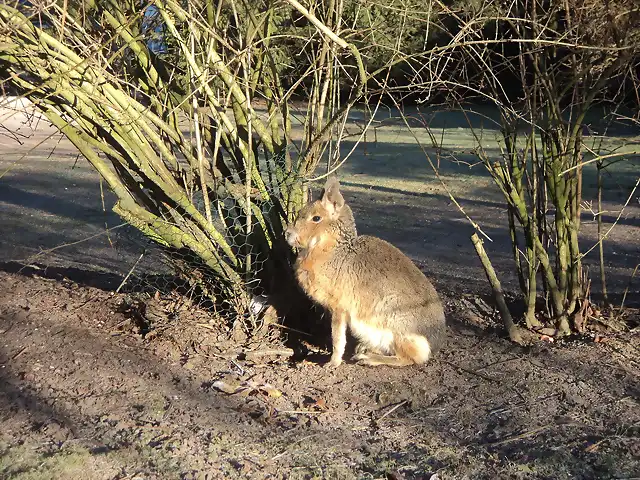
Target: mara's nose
point(291, 236)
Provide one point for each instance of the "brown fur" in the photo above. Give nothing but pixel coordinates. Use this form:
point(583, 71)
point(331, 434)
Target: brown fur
point(367, 284)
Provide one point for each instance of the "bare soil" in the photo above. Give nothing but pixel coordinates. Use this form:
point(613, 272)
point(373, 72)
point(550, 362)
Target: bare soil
point(94, 388)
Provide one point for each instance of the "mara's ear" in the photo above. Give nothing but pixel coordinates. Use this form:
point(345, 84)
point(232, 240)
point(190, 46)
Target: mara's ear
point(332, 199)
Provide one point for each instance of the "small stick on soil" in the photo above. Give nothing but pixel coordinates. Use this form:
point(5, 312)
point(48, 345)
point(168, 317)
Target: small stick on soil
point(511, 327)
point(84, 304)
point(205, 325)
point(526, 434)
point(594, 446)
point(299, 412)
point(277, 325)
point(282, 352)
point(391, 410)
point(24, 349)
point(114, 329)
point(237, 365)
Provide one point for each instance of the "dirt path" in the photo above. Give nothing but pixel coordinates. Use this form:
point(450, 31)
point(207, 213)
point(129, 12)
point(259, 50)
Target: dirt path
point(84, 396)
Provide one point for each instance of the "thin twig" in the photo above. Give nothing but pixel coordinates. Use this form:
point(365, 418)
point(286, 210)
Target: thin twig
point(606, 234)
point(626, 290)
point(520, 436)
point(124, 280)
point(278, 325)
point(281, 352)
point(41, 253)
point(437, 174)
point(391, 410)
point(298, 412)
point(597, 159)
point(24, 349)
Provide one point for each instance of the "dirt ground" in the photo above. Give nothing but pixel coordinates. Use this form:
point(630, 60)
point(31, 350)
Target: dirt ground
point(89, 394)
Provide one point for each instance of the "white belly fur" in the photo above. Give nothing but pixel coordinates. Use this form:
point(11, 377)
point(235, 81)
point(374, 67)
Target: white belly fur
point(375, 338)
point(382, 340)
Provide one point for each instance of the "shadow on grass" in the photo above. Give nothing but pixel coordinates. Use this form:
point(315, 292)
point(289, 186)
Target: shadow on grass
point(89, 278)
point(37, 217)
point(483, 117)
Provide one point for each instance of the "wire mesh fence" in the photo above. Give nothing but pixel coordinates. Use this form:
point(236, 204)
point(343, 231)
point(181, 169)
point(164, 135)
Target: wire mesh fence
point(161, 269)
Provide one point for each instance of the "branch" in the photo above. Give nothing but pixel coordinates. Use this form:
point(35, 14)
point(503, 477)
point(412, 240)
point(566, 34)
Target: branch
point(511, 327)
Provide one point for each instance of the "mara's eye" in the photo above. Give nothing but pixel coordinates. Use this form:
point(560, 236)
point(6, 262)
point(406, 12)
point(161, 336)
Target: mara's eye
point(316, 218)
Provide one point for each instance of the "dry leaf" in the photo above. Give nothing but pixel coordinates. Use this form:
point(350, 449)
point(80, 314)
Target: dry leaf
point(225, 387)
point(315, 404)
point(269, 390)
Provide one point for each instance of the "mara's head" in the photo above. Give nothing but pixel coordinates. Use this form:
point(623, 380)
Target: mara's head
point(326, 220)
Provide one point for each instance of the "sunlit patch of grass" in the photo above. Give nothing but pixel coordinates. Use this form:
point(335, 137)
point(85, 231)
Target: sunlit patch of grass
point(28, 462)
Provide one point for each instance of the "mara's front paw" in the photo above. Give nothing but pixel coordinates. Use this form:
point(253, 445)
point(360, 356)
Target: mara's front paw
point(333, 363)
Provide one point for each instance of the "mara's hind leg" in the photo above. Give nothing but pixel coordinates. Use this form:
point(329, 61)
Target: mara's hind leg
point(408, 350)
point(373, 359)
point(364, 348)
point(365, 355)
